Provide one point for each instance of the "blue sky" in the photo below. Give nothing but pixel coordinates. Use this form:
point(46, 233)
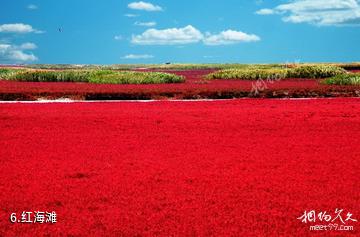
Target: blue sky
point(209, 31)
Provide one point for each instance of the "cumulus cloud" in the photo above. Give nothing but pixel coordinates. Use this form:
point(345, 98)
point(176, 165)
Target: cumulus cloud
point(229, 37)
point(146, 24)
point(131, 15)
point(118, 37)
point(318, 12)
point(144, 6)
point(15, 53)
point(32, 7)
point(18, 28)
point(172, 36)
point(189, 35)
point(265, 11)
point(28, 46)
point(20, 56)
point(138, 56)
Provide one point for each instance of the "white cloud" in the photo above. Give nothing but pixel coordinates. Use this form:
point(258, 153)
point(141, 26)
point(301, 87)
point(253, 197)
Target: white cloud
point(146, 24)
point(118, 37)
point(20, 56)
point(32, 7)
point(28, 46)
point(19, 28)
point(319, 12)
point(209, 56)
point(230, 37)
point(265, 11)
point(4, 47)
point(144, 6)
point(138, 56)
point(171, 36)
point(131, 15)
point(189, 35)
point(15, 53)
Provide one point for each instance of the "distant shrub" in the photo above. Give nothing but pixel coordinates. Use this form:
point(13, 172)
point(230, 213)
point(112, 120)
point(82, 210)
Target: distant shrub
point(255, 73)
point(175, 66)
point(344, 79)
point(128, 77)
point(315, 71)
point(51, 76)
point(349, 66)
point(249, 74)
point(7, 72)
point(95, 76)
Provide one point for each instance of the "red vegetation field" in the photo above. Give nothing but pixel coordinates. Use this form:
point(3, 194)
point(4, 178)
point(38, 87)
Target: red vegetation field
point(224, 168)
point(195, 87)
